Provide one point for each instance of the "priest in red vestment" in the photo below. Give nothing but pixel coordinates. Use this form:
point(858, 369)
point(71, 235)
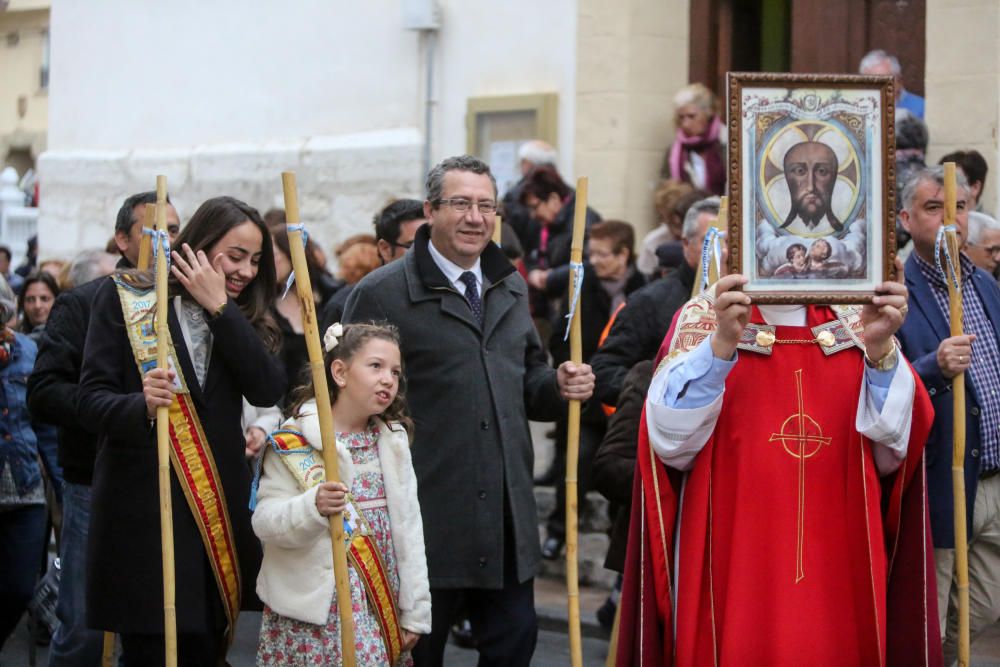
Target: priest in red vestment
point(779, 513)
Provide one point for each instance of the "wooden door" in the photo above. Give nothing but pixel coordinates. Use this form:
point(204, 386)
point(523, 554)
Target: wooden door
point(803, 36)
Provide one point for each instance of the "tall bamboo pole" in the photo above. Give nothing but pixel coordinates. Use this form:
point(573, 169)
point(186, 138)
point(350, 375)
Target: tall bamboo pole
point(958, 420)
point(163, 438)
point(146, 242)
point(108, 651)
point(720, 223)
point(573, 437)
point(304, 289)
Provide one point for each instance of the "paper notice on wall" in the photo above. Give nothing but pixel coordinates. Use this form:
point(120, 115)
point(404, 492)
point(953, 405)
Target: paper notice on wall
point(504, 164)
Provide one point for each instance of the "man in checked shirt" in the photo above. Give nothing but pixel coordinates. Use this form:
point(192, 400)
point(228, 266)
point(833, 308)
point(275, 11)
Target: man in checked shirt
point(938, 357)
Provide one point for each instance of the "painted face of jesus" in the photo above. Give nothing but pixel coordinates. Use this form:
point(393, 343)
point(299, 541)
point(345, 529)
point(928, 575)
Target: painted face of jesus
point(811, 171)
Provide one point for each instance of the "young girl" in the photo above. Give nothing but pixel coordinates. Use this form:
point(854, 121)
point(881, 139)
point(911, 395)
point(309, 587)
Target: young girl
point(381, 513)
point(221, 344)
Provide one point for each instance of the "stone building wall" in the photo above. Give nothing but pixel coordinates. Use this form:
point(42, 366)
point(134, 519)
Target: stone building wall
point(341, 182)
point(963, 83)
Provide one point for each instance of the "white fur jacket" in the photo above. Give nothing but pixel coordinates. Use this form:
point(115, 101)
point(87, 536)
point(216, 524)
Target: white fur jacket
point(296, 577)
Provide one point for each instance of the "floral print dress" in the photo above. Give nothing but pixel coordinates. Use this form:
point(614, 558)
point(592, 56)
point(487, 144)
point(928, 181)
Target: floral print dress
point(287, 642)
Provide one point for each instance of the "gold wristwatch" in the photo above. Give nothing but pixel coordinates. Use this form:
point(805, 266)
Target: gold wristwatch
point(887, 362)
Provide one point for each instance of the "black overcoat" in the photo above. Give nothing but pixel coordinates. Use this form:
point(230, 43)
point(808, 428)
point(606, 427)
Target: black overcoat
point(471, 391)
point(124, 581)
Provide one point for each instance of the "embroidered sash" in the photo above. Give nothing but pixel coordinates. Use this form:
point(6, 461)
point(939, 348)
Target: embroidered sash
point(190, 454)
point(306, 466)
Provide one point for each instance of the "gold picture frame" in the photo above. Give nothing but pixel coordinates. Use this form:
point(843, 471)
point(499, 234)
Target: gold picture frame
point(812, 174)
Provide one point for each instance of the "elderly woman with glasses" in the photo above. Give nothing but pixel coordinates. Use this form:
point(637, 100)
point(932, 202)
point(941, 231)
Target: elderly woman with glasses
point(983, 246)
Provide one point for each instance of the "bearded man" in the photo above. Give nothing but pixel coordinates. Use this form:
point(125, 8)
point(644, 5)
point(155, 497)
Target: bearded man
point(811, 172)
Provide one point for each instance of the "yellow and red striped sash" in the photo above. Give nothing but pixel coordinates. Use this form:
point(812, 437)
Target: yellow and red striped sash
point(190, 454)
point(307, 468)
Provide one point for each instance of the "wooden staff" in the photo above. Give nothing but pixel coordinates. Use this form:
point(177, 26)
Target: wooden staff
point(573, 434)
point(108, 652)
point(497, 227)
point(954, 281)
point(146, 242)
point(331, 469)
point(163, 437)
point(720, 223)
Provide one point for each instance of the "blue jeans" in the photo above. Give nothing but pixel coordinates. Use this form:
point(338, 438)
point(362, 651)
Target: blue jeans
point(22, 538)
point(73, 643)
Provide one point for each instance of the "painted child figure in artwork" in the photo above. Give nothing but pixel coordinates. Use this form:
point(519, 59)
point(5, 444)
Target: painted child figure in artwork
point(378, 499)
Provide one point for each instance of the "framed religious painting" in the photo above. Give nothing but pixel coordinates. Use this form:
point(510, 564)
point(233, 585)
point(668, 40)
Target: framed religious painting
point(812, 186)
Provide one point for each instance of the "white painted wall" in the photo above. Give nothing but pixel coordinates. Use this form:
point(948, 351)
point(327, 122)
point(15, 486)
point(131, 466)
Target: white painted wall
point(223, 95)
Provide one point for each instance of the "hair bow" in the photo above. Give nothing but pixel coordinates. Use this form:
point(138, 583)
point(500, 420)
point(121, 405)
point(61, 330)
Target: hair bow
point(332, 336)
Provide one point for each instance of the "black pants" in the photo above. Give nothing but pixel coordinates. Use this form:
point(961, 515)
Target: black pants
point(503, 620)
point(22, 539)
point(193, 650)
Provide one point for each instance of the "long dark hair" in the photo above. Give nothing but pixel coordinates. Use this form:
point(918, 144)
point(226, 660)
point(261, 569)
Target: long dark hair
point(211, 222)
point(354, 338)
point(35, 277)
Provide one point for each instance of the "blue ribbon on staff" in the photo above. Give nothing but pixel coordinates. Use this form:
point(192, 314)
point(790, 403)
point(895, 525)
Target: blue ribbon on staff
point(305, 241)
point(941, 246)
point(160, 240)
point(576, 269)
point(712, 243)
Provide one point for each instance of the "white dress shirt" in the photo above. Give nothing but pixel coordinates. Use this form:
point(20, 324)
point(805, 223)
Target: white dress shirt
point(453, 271)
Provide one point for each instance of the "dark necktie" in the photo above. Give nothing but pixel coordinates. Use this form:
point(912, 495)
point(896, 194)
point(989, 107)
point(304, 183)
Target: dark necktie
point(472, 295)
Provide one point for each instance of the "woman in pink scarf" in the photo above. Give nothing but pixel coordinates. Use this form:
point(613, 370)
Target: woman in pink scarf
point(697, 154)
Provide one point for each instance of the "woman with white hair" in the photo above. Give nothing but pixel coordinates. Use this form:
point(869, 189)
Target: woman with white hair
point(697, 155)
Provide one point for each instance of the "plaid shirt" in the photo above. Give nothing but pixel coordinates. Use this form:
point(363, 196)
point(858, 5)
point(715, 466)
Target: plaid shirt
point(985, 367)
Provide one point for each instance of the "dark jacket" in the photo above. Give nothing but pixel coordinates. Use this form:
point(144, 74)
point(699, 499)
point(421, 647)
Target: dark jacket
point(333, 309)
point(517, 215)
point(124, 540)
point(614, 463)
point(293, 353)
point(639, 330)
point(921, 334)
point(560, 238)
point(595, 309)
point(471, 391)
point(53, 388)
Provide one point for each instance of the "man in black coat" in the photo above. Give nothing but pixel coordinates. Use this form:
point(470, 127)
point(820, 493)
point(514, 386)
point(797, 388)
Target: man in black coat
point(475, 373)
point(640, 326)
point(53, 389)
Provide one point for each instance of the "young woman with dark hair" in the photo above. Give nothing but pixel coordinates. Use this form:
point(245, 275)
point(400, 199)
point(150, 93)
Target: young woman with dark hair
point(34, 303)
point(223, 339)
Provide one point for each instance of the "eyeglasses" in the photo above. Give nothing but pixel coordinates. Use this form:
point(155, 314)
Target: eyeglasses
point(404, 246)
point(993, 250)
point(462, 205)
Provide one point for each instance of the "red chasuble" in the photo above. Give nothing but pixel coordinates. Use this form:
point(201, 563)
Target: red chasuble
point(790, 549)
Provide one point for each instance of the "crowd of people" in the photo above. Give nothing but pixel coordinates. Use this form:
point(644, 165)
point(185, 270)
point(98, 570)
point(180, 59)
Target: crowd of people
point(439, 346)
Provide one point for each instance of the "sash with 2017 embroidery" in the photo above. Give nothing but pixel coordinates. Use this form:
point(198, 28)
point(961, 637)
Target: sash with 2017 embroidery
point(307, 468)
point(190, 455)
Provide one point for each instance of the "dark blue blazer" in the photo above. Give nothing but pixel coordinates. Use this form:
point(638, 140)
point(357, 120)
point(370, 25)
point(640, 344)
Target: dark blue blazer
point(924, 329)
